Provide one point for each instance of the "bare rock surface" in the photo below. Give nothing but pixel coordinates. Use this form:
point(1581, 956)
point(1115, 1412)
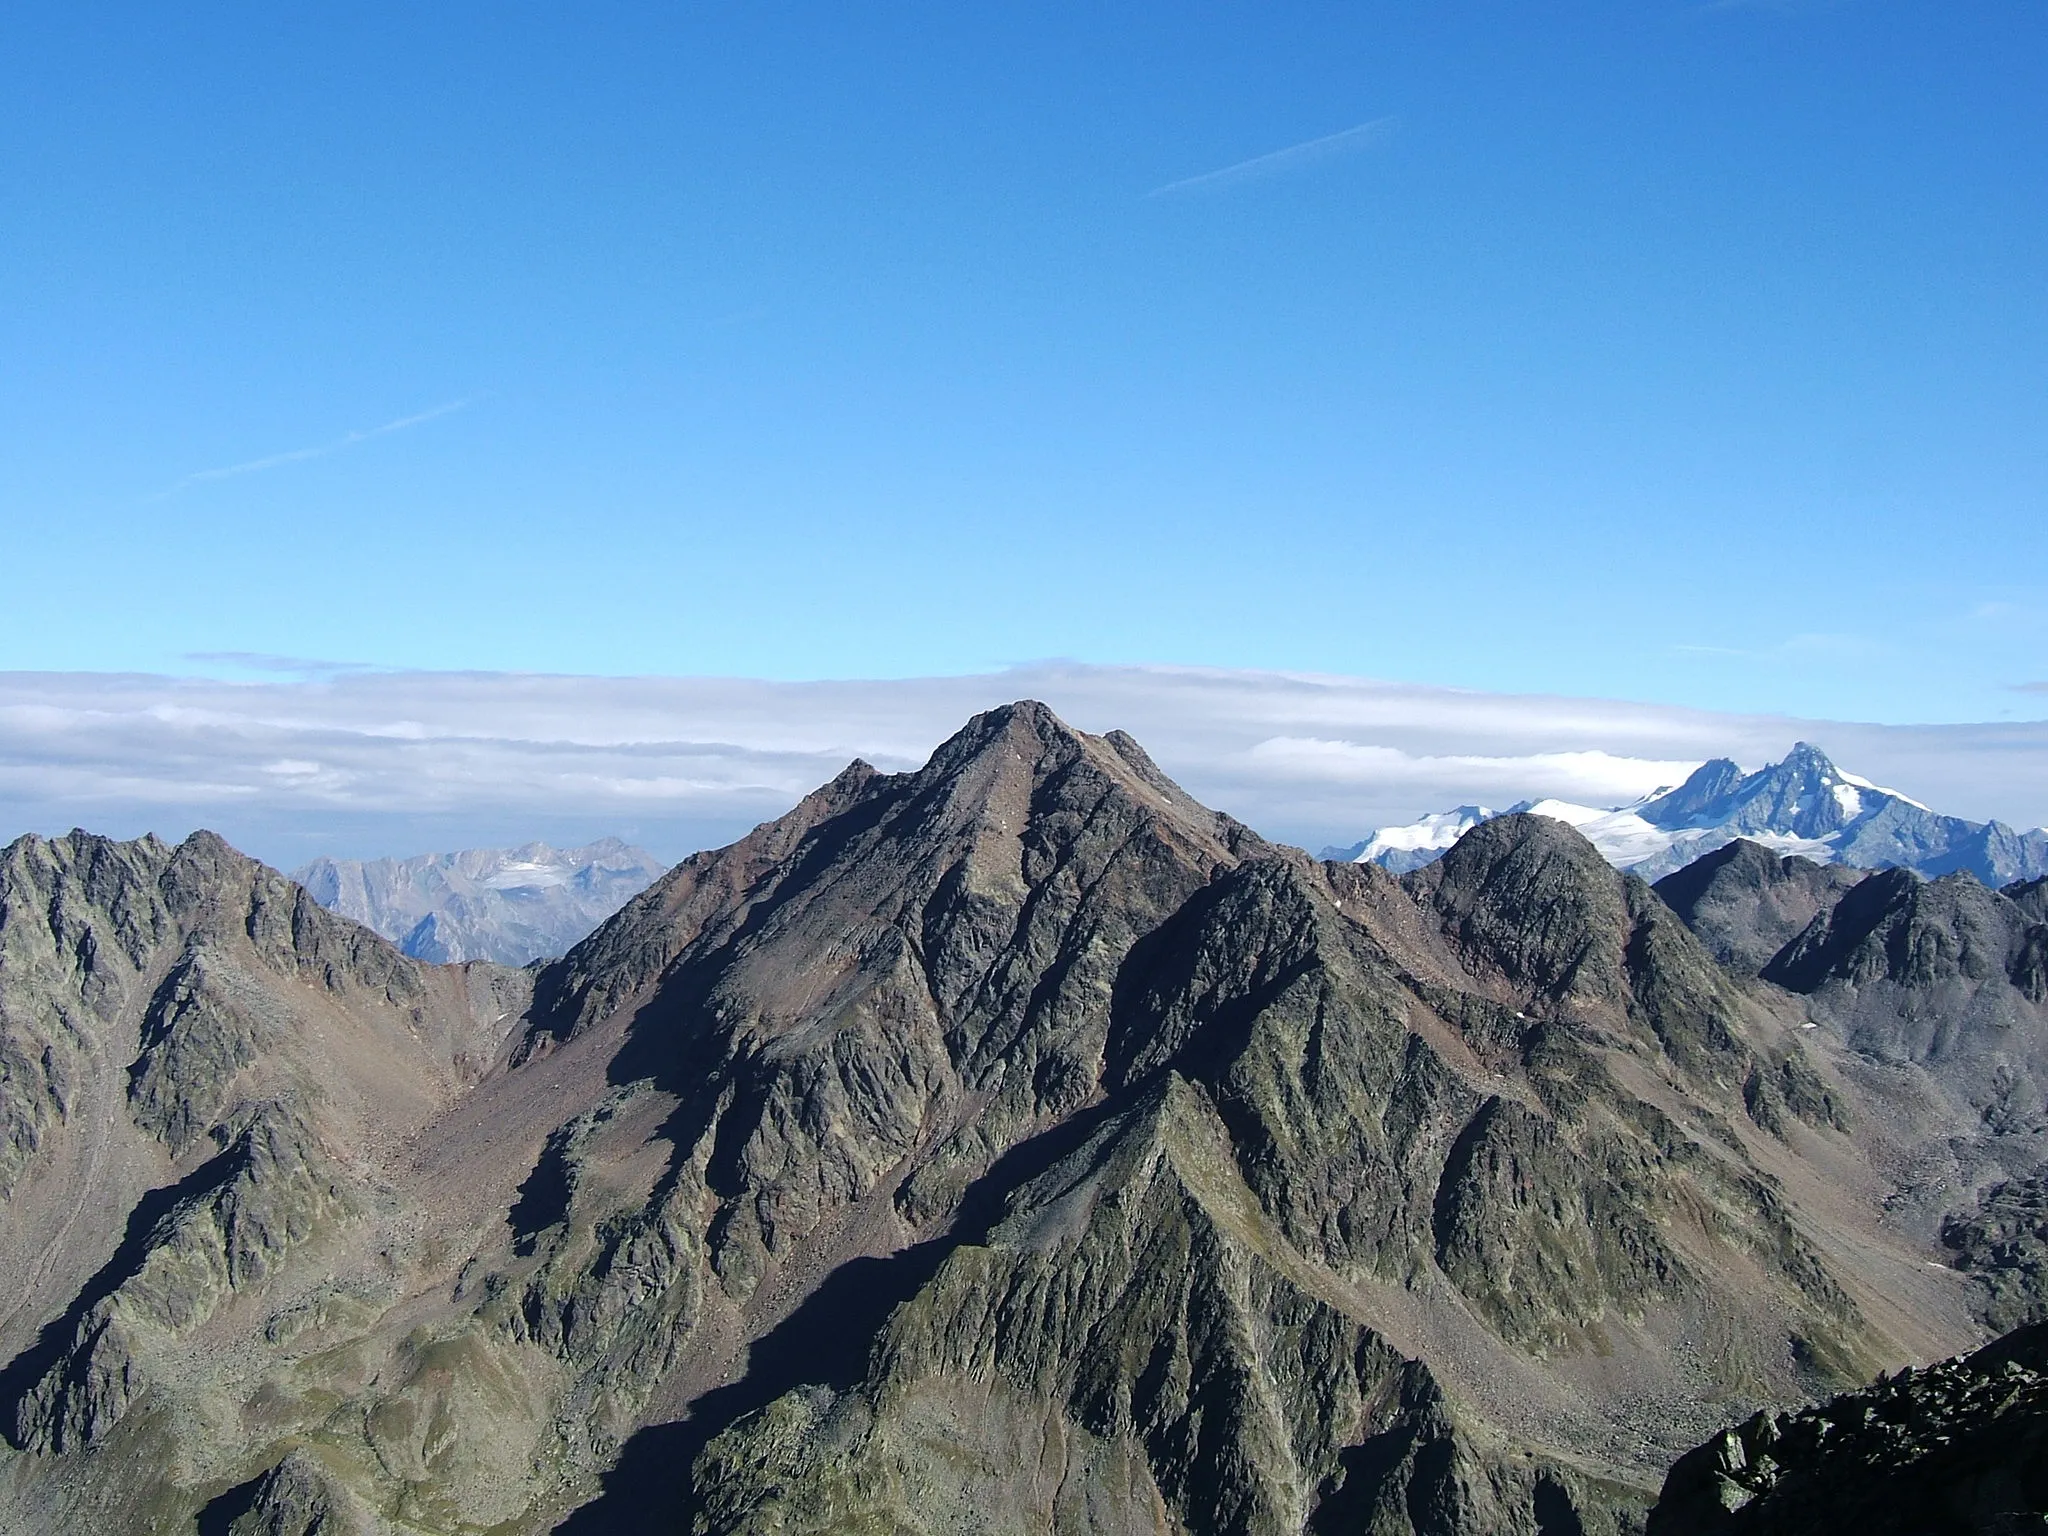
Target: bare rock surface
point(1746, 903)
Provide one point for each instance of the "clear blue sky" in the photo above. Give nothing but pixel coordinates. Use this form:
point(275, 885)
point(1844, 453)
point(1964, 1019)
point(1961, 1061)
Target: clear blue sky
point(1694, 353)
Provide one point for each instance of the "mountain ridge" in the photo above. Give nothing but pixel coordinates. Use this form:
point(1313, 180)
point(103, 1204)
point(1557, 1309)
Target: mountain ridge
point(1012, 1139)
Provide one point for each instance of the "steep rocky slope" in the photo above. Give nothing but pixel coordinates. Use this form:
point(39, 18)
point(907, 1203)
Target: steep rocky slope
point(1745, 903)
point(1012, 1144)
point(1960, 1447)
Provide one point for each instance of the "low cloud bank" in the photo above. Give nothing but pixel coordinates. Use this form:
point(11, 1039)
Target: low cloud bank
point(369, 763)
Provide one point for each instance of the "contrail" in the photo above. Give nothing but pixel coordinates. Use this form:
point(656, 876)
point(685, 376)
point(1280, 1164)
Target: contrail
point(1281, 160)
point(230, 471)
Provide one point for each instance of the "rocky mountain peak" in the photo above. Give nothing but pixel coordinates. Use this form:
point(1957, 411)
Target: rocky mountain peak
point(1804, 795)
point(1530, 895)
point(1803, 805)
point(2031, 897)
point(1709, 785)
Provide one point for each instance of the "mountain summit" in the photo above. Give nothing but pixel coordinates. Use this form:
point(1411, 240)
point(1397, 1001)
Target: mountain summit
point(1804, 805)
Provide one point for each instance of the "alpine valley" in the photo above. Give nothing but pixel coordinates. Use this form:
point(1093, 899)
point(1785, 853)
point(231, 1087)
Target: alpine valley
point(1013, 1145)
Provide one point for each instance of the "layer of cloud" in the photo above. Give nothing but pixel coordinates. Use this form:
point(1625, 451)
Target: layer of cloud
point(379, 762)
point(1590, 777)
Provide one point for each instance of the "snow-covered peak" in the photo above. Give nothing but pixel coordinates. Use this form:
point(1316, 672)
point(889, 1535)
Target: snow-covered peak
point(1564, 810)
point(1804, 805)
point(1415, 843)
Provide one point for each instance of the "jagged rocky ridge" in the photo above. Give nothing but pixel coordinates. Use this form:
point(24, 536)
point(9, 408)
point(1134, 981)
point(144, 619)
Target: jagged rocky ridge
point(1959, 1447)
point(508, 905)
point(1014, 1143)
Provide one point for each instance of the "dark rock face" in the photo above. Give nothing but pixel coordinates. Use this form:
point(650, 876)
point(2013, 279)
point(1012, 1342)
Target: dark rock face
point(2004, 1242)
point(1958, 1447)
point(1746, 903)
point(2031, 897)
point(1011, 1144)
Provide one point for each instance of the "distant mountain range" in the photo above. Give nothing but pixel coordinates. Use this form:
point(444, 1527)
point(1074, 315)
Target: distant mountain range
point(510, 905)
point(1803, 805)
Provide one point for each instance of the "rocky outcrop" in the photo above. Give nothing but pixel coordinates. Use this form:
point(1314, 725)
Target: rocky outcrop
point(1960, 1447)
point(299, 1497)
point(2003, 1241)
point(2031, 897)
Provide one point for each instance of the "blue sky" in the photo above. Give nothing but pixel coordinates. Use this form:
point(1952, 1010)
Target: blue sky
point(1690, 354)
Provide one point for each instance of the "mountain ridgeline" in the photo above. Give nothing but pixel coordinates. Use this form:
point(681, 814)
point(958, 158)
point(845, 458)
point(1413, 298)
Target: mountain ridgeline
point(1012, 1145)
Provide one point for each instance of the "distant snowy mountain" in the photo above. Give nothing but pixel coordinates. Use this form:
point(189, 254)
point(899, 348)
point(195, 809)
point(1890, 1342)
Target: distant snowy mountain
point(511, 905)
point(1403, 848)
point(1803, 805)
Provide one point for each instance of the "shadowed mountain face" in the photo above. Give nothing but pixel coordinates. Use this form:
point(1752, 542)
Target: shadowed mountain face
point(1746, 903)
point(1012, 1144)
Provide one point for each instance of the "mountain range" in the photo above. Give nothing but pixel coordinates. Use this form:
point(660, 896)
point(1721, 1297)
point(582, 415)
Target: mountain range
point(1010, 1145)
point(1803, 805)
point(510, 905)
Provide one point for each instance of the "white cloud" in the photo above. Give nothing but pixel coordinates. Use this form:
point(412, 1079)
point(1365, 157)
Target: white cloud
point(396, 762)
point(1594, 776)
